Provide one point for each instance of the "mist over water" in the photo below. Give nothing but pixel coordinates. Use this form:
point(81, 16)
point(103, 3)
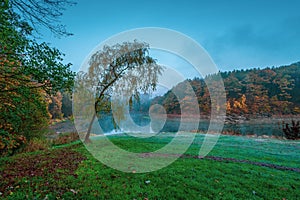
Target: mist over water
point(253, 126)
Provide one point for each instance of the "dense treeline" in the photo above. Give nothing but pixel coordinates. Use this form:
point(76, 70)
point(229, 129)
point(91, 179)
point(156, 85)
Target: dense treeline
point(254, 92)
point(31, 74)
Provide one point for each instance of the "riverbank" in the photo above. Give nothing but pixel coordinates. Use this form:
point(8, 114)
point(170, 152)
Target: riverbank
point(262, 127)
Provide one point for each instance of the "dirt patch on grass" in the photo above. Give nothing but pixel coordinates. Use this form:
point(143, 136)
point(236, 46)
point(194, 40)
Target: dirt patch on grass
point(66, 126)
point(51, 166)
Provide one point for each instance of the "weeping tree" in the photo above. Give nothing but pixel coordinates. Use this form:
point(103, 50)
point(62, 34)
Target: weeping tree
point(124, 69)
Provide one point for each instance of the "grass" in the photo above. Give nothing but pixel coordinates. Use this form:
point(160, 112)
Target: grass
point(71, 172)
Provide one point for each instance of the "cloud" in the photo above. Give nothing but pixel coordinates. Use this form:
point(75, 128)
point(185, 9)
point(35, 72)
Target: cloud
point(249, 45)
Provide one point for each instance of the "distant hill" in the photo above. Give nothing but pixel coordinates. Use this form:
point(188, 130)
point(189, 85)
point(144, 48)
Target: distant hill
point(269, 91)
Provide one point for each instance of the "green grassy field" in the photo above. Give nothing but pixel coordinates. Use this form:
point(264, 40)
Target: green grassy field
point(237, 168)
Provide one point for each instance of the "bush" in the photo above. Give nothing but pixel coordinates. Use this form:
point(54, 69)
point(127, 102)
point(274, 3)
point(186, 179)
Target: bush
point(36, 144)
point(9, 143)
point(292, 132)
point(23, 115)
point(65, 138)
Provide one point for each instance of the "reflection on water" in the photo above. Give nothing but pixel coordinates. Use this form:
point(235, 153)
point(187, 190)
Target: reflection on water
point(258, 127)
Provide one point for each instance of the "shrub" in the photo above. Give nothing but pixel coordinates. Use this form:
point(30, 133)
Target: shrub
point(65, 138)
point(292, 132)
point(23, 115)
point(9, 143)
point(36, 144)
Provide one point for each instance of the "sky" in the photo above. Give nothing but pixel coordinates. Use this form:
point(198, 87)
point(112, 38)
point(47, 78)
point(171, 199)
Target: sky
point(237, 34)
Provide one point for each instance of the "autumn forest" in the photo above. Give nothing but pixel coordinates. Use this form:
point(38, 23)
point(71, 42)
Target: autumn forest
point(252, 92)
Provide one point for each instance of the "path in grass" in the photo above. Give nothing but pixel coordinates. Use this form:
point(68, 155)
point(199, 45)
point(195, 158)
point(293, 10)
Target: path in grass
point(225, 159)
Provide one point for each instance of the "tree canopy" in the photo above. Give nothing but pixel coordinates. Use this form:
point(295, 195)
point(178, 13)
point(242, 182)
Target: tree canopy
point(28, 72)
point(253, 92)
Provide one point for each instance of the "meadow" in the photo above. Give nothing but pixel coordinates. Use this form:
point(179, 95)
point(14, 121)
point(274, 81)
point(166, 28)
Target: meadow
point(238, 167)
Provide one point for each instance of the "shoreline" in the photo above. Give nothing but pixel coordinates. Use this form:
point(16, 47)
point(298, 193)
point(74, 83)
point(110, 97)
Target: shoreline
point(254, 128)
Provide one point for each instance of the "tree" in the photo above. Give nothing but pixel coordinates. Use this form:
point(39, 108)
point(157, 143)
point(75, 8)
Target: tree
point(257, 92)
point(45, 13)
point(171, 103)
point(66, 107)
point(55, 106)
point(28, 72)
point(240, 106)
point(284, 84)
point(124, 69)
point(28, 62)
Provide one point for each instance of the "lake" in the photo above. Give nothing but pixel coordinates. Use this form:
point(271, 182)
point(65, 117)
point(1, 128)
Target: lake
point(258, 126)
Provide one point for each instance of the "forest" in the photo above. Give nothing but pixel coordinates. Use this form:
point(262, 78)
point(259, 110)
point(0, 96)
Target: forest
point(252, 92)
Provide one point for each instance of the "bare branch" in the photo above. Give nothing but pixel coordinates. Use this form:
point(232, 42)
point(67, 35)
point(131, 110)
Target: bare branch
point(45, 13)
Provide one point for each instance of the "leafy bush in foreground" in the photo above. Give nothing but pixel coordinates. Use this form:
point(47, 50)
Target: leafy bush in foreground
point(9, 143)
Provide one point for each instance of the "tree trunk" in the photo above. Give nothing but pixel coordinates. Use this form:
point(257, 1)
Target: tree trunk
point(87, 136)
point(101, 96)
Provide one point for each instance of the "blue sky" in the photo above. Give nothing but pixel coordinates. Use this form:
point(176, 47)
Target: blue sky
point(236, 34)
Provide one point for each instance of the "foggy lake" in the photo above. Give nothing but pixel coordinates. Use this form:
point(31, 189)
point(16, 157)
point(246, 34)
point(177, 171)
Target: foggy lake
point(260, 126)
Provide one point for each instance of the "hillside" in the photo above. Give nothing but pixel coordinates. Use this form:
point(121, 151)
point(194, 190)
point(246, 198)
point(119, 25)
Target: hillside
point(252, 92)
